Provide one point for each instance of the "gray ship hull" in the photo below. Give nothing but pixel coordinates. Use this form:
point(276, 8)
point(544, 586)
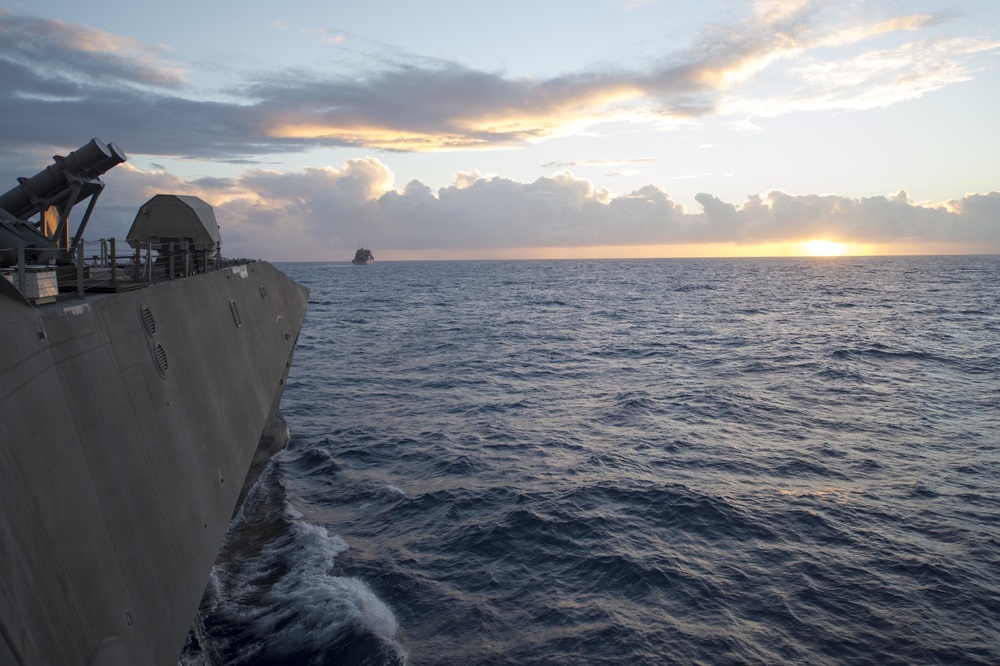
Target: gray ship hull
point(128, 425)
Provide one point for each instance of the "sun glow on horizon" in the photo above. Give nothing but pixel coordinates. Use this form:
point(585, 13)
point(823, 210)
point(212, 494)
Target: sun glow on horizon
point(823, 248)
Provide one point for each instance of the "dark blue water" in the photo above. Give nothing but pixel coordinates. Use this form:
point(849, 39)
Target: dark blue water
point(781, 461)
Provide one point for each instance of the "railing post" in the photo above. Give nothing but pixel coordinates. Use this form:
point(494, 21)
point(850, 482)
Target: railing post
point(150, 272)
point(114, 266)
point(22, 275)
point(79, 268)
point(170, 256)
point(138, 260)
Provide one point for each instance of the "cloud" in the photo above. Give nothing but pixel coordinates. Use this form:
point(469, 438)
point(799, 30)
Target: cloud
point(784, 56)
point(435, 106)
point(359, 181)
point(977, 218)
point(632, 5)
point(694, 176)
point(464, 179)
point(327, 36)
point(858, 33)
point(324, 213)
point(871, 79)
point(53, 57)
point(598, 163)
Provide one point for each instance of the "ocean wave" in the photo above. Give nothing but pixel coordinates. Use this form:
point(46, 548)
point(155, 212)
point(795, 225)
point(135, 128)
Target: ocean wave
point(274, 598)
point(717, 462)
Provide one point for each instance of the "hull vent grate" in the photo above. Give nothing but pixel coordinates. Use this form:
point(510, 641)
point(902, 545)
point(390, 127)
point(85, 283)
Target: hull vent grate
point(161, 357)
point(236, 313)
point(147, 320)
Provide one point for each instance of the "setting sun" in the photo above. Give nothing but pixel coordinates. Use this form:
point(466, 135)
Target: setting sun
point(823, 248)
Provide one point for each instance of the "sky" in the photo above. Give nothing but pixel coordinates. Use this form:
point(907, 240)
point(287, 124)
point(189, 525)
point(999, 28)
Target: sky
point(583, 128)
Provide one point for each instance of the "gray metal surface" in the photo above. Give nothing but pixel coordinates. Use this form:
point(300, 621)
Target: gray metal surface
point(53, 182)
point(171, 217)
point(60, 186)
point(123, 451)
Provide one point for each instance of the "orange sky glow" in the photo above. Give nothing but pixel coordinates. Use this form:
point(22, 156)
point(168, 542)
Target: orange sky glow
point(687, 251)
point(776, 128)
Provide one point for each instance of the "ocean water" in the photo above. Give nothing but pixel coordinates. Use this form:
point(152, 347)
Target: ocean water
point(748, 461)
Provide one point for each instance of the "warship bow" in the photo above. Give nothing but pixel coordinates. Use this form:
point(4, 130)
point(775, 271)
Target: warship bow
point(140, 385)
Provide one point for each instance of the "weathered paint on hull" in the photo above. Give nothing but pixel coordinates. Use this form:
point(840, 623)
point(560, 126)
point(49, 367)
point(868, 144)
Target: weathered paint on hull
point(128, 424)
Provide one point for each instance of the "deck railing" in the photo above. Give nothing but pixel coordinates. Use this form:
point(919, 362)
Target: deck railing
point(112, 265)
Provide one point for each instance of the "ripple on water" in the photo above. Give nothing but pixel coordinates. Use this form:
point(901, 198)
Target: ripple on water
point(645, 462)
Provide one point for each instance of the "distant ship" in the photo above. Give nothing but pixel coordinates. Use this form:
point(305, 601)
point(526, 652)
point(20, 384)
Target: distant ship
point(363, 256)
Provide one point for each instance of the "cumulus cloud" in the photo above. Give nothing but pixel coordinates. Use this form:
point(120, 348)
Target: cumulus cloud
point(324, 213)
point(357, 182)
point(63, 77)
point(464, 179)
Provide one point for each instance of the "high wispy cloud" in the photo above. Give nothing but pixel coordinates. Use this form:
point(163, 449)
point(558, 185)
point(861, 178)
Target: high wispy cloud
point(597, 163)
point(60, 77)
